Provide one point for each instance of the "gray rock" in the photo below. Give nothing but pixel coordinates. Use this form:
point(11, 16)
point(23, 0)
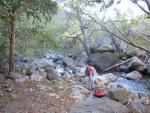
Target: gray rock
point(135, 110)
point(79, 92)
point(102, 105)
point(27, 60)
point(59, 69)
point(6, 88)
point(22, 79)
point(51, 77)
point(102, 61)
point(68, 62)
point(137, 106)
point(106, 48)
point(36, 77)
point(110, 77)
point(13, 75)
point(147, 109)
point(4, 68)
point(119, 94)
point(135, 75)
point(48, 68)
point(133, 63)
point(145, 100)
point(33, 67)
point(66, 75)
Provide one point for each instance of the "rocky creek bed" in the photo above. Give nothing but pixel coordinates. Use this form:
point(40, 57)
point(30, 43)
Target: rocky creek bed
point(57, 84)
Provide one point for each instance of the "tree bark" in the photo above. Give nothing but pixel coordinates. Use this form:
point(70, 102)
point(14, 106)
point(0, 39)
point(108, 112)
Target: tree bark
point(12, 41)
point(84, 43)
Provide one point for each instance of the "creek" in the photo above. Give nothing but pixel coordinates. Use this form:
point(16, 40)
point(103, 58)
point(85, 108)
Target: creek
point(136, 86)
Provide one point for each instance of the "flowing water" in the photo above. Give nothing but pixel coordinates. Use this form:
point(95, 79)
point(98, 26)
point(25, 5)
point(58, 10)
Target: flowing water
point(136, 86)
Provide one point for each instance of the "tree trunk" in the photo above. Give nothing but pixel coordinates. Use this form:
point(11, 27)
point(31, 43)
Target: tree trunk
point(85, 47)
point(84, 43)
point(12, 42)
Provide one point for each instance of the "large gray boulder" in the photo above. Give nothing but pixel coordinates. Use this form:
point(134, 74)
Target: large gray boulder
point(51, 77)
point(13, 75)
point(147, 109)
point(135, 75)
point(110, 77)
point(119, 94)
point(106, 48)
point(79, 92)
point(102, 105)
point(133, 63)
point(37, 77)
point(137, 106)
point(22, 79)
point(68, 62)
point(102, 61)
point(145, 100)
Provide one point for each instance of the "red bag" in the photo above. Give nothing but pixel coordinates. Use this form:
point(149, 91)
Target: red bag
point(88, 71)
point(99, 92)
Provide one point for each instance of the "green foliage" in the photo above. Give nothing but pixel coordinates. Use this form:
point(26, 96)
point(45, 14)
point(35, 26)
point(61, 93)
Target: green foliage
point(3, 44)
point(32, 8)
point(28, 14)
point(35, 38)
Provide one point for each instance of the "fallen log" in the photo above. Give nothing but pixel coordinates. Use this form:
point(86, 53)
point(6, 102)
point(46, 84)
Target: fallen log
point(116, 65)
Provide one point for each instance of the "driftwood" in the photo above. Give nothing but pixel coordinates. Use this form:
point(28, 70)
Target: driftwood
point(116, 65)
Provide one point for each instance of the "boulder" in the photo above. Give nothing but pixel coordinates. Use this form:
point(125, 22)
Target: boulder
point(133, 63)
point(48, 68)
point(137, 106)
point(13, 75)
point(51, 76)
point(59, 69)
point(147, 109)
point(110, 77)
point(22, 79)
point(94, 50)
point(19, 69)
point(102, 61)
point(36, 77)
point(136, 110)
point(105, 48)
point(68, 62)
point(135, 75)
point(27, 60)
point(20, 60)
point(41, 63)
point(79, 92)
point(66, 75)
point(102, 105)
point(145, 100)
point(119, 94)
point(6, 88)
point(4, 68)
point(32, 68)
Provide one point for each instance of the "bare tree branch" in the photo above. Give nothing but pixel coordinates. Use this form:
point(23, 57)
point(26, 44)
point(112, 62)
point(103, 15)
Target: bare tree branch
point(147, 3)
point(113, 34)
point(138, 33)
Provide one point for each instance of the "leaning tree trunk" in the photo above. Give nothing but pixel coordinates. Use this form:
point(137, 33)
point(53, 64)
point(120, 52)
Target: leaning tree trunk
point(84, 43)
point(12, 42)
